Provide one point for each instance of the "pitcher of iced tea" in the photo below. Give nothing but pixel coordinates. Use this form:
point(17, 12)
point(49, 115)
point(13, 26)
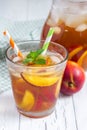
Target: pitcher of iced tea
point(69, 19)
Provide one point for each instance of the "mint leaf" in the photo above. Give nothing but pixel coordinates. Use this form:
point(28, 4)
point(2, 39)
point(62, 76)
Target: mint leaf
point(27, 60)
point(40, 61)
point(33, 57)
point(35, 54)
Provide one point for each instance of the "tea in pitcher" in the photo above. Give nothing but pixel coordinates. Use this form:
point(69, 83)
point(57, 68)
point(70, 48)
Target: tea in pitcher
point(69, 19)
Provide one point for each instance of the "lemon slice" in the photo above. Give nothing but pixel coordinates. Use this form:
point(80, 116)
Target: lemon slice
point(40, 81)
point(28, 101)
point(80, 61)
point(75, 51)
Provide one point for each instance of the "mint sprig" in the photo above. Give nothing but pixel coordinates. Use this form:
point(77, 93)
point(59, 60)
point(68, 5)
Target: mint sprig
point(34, 58)
point(40, 61)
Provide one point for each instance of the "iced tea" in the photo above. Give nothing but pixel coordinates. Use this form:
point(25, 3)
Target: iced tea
point(36, 86)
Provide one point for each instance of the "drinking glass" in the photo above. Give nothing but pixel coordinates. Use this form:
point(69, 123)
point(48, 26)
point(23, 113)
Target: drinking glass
point(36, 88)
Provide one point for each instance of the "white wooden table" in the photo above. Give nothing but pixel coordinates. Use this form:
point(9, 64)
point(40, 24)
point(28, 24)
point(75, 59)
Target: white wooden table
point(70, 114)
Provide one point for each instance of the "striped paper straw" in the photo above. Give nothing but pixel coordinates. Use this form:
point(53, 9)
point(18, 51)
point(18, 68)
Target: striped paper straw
point(47, 41)
point(13, 45)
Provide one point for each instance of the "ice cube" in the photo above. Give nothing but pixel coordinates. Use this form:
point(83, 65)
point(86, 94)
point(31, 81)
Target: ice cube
point(50, 22)
point(57, 30)
point(81, 28)
point(57, 59)
point(75, 20)
point(16, 59)
point(55, 16)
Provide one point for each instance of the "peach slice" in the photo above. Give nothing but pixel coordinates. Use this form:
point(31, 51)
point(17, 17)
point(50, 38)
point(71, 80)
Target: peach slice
point(38, 80)
point(75, 51)
point(27, 101)
point(82, 58)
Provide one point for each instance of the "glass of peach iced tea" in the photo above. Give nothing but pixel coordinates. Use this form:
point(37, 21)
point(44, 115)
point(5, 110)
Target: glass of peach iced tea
point(36, 79)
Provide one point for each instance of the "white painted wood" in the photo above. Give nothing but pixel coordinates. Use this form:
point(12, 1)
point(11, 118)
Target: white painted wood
point(67, 113)
point(38, 9)
point(21, 10)
point(9, 117)
point(80, 104)
point(62, 118)
point(13, 9)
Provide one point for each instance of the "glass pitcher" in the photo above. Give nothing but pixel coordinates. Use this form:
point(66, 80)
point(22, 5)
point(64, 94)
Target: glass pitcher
point(69, 19)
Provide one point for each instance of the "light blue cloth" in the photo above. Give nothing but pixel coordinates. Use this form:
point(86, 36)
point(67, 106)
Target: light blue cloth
point(4, 77)
point(20, 30)
point(30, 30)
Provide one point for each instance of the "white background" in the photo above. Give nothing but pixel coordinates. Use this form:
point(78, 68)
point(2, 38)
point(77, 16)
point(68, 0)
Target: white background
point(24, 9)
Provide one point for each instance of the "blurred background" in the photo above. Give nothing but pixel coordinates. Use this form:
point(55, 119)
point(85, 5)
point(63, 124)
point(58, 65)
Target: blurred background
point(23, 19)
point(24, 9)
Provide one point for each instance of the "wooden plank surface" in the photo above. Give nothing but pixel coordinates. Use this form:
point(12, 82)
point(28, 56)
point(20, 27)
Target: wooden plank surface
point(62, 118)
point(80, 106)
point(20, 10)
point(9, 117)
